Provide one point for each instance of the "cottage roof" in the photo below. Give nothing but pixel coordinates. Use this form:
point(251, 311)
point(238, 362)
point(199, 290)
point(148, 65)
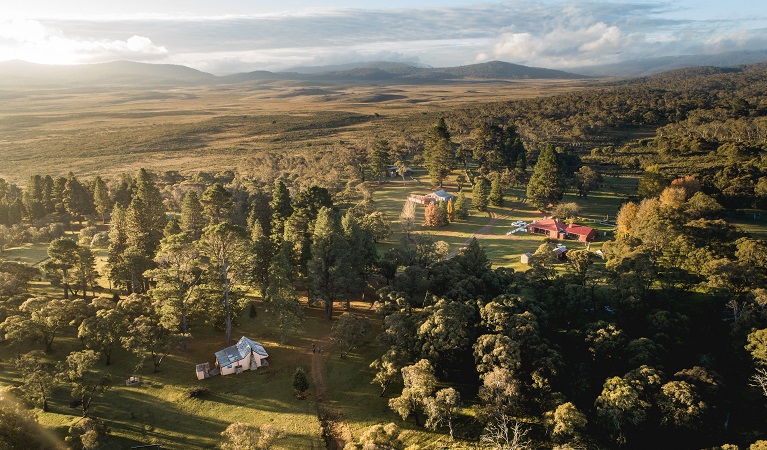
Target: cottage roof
point(559, 227)
point(580, 230)
point(239, 351)
point(549, 225)
point(441, 195)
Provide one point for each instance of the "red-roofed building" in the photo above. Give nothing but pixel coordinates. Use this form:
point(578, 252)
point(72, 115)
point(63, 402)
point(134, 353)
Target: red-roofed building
point(559, 230)
point(580, 233)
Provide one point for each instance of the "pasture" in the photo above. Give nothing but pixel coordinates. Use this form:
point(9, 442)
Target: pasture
point(106, 132)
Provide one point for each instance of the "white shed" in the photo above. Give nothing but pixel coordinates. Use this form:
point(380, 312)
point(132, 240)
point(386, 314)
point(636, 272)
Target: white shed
point(244, 355)
point(525, 258)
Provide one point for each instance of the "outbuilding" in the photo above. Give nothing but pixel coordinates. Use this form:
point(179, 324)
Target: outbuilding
point(525, 259)
point(244, 355)
point(435, 197)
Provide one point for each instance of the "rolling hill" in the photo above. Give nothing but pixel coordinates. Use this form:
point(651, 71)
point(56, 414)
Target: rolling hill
point(126, 73)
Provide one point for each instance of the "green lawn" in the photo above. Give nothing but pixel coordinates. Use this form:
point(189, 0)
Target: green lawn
point(26, 253)
point(502, 250)
point(159, 410)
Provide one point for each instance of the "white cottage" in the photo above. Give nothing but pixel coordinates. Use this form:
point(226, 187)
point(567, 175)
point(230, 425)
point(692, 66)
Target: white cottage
point(244, 355)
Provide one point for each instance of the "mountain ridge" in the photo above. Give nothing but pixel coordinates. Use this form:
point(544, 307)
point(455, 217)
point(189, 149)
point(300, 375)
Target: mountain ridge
point(128, 72)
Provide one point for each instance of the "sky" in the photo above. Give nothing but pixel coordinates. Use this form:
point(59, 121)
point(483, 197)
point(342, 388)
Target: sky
point(229, 36)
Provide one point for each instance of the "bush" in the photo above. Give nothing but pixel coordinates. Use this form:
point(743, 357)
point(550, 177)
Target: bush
point(86, 235)
point(434, 215)
point(100, 240)
point(300, 382)
point(86, 434)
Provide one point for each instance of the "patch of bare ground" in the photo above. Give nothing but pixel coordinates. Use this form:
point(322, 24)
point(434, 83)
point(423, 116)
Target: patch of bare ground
point(335, 430)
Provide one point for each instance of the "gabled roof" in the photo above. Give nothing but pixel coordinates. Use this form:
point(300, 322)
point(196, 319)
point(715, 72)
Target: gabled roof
point(549, 225)
point(560, 227)
point(441, 195)
point(239, 351)
point(580, 230)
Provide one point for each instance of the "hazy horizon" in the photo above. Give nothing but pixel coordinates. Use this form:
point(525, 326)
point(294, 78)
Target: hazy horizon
point(275, 36)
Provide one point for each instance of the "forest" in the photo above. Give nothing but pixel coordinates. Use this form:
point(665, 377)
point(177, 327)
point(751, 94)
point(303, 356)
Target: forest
point(653, 336)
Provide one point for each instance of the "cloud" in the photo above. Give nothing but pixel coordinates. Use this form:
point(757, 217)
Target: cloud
point(36, 42)
point(562, 45)
point(549, 33)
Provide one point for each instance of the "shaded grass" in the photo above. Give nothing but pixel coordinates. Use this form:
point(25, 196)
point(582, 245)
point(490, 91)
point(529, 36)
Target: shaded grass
point(26, 253)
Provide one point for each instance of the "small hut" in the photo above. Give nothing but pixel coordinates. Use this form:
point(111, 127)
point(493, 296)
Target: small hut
point(203, 371)
point(244, 355)
point(525, 259)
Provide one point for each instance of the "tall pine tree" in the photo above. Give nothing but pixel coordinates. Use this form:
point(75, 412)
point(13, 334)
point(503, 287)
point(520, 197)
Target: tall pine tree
point(547, 183)
point(192, 218)
point(438, 152)
point(330, 269)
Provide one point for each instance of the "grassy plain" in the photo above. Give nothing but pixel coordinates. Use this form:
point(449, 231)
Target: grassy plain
point(107, 131)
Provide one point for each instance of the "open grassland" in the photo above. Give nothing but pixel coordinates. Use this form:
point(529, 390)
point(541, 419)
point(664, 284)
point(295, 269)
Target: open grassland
point(107, 132)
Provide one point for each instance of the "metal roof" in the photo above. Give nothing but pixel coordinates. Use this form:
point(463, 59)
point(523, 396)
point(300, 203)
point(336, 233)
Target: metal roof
point(239, 351)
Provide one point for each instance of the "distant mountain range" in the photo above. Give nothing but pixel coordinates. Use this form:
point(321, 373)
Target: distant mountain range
point(650, 66)
point(22, 73)
point(127, 73)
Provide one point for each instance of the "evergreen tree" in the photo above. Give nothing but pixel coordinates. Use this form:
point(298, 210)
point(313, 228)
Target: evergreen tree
point(217, 204)
point(260, 211)
point(123, 192)
point(480, 193)
point(84, 270)
point(379, 156)
point(118, 243)
point(47, 197)
point(364, 256)
point(438, 152)
point(62, 254)
point(461, 207)
point(101, 199)
point(281, 297)
point(312, 200)
point(228, 250)
point(496, 191)
point(298, 236)
point(77, 199)
point(148, 192)
point(547, 182)
point(498, 148)
point(33, 198)
point(57, 198)
point(192, 219)
point(281, 210)
point(177, 274)
point(262, 256)
point(330, 270)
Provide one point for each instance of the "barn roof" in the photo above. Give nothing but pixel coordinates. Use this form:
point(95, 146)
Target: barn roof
point(239, 351)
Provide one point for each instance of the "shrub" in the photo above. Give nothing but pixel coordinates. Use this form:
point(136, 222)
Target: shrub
point(300, 382)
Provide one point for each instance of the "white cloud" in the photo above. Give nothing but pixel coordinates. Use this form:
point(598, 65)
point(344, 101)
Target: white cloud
point(548, 33)
point(33, 41)
point(564, 43)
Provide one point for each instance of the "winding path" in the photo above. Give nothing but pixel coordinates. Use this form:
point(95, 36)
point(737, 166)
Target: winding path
point(335, 430)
